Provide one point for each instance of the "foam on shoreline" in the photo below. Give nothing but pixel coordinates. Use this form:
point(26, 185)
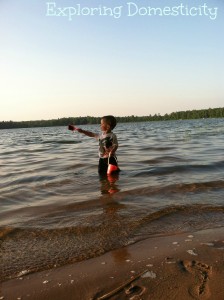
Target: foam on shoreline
point(185, 266)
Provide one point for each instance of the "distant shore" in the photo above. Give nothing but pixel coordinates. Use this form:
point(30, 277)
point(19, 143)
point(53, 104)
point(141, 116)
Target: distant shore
point(180, 115)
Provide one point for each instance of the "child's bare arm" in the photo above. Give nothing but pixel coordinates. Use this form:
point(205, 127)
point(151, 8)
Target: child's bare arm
point(88, 133)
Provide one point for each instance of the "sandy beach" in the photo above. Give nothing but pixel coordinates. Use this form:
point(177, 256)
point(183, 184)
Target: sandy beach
point(185, 266)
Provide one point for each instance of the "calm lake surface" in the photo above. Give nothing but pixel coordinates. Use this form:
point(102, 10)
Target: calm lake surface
point(55, 209)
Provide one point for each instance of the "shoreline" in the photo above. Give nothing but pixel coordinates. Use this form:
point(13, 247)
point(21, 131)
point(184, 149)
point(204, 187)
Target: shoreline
point(183, 266)
point(189, 115)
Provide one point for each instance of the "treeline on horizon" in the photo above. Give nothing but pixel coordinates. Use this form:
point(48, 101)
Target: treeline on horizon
point(180, 115)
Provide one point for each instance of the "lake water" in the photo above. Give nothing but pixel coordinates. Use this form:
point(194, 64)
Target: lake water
point(55, 209)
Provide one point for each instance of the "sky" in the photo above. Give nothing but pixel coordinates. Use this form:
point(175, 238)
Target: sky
point(71, 58)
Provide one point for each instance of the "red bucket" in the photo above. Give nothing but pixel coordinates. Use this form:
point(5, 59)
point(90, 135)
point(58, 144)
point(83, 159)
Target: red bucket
point(111, 168)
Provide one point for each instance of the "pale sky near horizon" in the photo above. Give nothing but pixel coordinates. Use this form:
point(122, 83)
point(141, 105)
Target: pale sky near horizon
point(125, 64)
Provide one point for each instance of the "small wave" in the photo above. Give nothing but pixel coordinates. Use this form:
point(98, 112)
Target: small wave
point(61, 142)
point(95, 234)
point(175, 188)
point(190, 168)
point(179, 219)
point(29, 179)
point(162, 159)
point(153, 148)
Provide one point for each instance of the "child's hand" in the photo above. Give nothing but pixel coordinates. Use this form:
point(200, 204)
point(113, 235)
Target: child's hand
point(108, 151)
point(79, 130)
point(72, 127)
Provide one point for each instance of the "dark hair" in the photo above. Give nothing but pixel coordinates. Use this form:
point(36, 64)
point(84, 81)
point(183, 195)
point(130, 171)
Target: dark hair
point(111, 120)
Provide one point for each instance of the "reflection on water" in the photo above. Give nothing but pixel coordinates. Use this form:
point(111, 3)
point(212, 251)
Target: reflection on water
point(55, 209)
point(108, 183)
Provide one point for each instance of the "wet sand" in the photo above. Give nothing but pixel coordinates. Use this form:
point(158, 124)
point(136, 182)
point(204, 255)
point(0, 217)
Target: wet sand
point(182, 266)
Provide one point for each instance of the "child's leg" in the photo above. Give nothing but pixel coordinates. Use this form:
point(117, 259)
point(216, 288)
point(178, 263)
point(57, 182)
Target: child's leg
point(103, 164)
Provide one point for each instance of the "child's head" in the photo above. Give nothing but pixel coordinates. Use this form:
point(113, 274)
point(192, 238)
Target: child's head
point(109, 121)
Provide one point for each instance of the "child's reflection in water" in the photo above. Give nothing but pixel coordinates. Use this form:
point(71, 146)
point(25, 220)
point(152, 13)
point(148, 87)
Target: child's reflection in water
point(108, 183)
point(111, 209)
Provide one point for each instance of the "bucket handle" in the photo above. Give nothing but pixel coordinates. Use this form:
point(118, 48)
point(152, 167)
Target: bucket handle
point(109, 159)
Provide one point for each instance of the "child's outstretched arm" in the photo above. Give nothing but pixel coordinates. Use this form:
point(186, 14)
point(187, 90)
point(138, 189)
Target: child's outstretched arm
point(88, 133)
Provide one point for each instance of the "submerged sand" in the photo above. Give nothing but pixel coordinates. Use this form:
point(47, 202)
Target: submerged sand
point(182, 266)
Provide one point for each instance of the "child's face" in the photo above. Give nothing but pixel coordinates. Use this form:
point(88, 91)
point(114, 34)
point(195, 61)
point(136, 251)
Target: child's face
point(104, 126)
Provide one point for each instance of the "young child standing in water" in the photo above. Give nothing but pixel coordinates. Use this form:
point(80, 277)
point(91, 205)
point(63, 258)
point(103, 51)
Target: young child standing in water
point(108, 143)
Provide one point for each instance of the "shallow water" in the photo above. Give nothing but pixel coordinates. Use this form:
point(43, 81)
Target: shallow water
point(55, 209)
